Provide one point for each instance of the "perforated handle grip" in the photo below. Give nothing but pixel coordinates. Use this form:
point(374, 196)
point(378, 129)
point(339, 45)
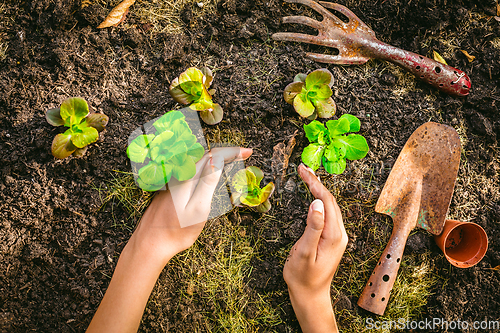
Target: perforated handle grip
point(375, 296)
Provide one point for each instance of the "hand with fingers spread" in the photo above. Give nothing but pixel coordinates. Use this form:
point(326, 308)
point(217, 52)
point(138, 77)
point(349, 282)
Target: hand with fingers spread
point(172, 223)
point(314, 259)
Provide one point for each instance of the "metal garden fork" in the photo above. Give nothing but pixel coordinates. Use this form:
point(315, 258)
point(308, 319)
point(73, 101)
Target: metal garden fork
point(356, 44)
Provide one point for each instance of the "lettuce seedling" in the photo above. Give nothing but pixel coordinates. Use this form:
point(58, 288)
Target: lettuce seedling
point(311, 94)
point(192, 87)
point(247, 191)
point(171, 151)
point(84, 127)
point(331, 146)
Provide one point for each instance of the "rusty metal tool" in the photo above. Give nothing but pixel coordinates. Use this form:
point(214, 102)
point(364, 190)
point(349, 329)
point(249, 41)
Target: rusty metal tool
point(356, 44)
point(418, 192)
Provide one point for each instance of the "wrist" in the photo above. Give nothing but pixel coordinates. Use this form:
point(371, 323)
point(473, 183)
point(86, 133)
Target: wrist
point(147, 253)
point(314, 311)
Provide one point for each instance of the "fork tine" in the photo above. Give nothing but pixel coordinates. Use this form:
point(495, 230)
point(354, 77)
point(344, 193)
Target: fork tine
point(344, 10)
point(296, 37)
point(337, 59)
point(303, 20)
point(317, 7)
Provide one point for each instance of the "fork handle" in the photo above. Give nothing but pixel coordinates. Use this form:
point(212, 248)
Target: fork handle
point(448, 79)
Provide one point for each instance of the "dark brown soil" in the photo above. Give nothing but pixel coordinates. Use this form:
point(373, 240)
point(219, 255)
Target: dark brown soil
point(58, 248)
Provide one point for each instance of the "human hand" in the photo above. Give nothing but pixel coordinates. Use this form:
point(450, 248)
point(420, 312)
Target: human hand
point(314, 259)
point(175, 218)
point(171, 224)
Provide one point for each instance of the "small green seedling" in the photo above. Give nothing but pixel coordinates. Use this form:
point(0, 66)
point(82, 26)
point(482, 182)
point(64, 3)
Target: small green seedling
point(331, 146)
point(311, 94)
point(84, 127)
point(171, 151)
point(247, 191)
point(192, 88)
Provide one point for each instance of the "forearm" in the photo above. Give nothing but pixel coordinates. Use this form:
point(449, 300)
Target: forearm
point(315, 314)
point(123, 304)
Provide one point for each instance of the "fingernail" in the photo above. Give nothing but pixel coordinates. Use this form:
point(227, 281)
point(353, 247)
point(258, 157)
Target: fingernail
point(308, 169)
point(317, 206)
point(245, 152)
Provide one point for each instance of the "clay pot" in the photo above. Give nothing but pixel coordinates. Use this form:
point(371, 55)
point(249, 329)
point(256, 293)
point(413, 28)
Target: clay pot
point(464, 244)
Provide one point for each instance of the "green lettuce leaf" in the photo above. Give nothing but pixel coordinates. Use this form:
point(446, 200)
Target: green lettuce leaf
point(73, 110)
point(321, 91)
point(301, 77)
point(266, 192)
point(303, 105)
point(150, 187)
point(154, 173)
point(243, 180)
point(184, 171)
point(356, 146)
point(313, 130)
point(354, 122)
point(138, 149)
point(196, 151)
point(312, 154)
point(191, 74)
point(165, 122)
point(247, 190)
point(319, 77)
point(192, 88)
point(335, 151)
point(250, 200)
point(202, 105)
point(83, 135)
point(259, 175)
point(162, 140)
point(337, 127)
point(336, 167)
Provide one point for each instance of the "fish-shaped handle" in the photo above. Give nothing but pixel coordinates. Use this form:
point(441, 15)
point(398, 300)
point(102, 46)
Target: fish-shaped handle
point(448, 79)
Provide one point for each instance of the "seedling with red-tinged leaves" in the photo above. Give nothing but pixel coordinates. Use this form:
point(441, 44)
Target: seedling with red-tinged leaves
point(311, 94)
point(84, 127)
point(247, 191)
point(192, 88)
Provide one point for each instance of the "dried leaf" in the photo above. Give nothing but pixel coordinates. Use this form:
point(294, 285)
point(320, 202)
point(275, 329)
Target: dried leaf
point(117, 14)
point(498, 8)
point(281, 157)
point(469, 57)
point(496, 268)
point(438, 58)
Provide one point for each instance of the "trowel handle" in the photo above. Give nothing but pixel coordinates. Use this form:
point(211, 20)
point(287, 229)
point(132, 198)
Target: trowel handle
point(375, 296)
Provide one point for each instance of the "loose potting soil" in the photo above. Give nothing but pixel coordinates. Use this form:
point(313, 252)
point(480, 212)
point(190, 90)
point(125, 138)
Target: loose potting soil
point(59, 246)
